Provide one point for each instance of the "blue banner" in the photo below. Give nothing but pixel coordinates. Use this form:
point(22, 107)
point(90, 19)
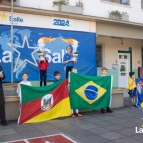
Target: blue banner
point(139, 83)
point(27, 41)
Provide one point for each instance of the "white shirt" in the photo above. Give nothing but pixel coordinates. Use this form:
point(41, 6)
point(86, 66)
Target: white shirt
point(19, 90)
point(25, 83)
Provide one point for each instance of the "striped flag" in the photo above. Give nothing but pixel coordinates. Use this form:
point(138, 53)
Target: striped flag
point(44, 103)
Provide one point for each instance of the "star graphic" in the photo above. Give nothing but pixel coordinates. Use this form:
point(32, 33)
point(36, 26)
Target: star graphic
point(22, 54)
point(3, 16)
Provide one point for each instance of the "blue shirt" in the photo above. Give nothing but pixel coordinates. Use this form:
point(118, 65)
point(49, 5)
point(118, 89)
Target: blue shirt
point(55, 80)
point(68, 57)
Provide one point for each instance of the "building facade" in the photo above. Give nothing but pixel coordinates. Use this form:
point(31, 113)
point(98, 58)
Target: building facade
point(117, 24)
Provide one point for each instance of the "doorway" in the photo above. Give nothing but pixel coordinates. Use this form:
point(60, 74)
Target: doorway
point(124, 67)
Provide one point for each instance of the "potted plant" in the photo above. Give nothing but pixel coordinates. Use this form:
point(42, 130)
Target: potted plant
point(7, 0)
point(80, 4)
point(64, 6)
point(60, 2)
point(119, 15)
point(40, 54)
point(76, 53)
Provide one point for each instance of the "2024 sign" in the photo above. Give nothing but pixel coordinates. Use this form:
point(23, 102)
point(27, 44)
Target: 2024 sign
point(59, 22)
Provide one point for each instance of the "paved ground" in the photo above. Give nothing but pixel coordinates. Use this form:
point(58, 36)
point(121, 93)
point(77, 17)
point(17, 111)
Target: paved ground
point(93, 127)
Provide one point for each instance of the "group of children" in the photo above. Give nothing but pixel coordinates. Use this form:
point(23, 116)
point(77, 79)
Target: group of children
point(57, 76)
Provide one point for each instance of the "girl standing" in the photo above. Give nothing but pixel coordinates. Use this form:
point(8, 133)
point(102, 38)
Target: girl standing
point(43, 65)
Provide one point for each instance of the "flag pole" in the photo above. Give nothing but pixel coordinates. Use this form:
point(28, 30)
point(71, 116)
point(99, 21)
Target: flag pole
point(11, 41)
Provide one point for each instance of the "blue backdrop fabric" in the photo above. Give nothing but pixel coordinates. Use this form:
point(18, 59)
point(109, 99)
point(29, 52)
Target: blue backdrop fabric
point(28, 40)
point(139, 83)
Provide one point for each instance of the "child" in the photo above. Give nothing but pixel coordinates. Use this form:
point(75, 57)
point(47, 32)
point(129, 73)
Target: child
point(132, 88)
point(43, 65)
point(24, 81)
point(57, 76)
point(68, 61)
point(108, 110)
point(76, 110)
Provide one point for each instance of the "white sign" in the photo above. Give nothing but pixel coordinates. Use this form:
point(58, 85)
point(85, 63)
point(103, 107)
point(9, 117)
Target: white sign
point(30, 20)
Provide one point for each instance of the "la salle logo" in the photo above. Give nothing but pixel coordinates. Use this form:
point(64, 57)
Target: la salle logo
point(47, 102)
point(17, 19)
point(139, 130)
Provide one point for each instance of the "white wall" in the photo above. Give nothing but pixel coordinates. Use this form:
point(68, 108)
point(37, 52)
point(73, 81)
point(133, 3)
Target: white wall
point(111, 47)
point(93, 7)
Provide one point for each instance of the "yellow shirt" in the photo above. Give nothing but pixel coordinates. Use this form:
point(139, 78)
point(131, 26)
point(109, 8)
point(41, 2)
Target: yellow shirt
point(131, 84)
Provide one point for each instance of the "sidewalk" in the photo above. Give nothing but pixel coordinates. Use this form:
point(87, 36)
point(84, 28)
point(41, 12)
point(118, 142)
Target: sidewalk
point(93, 127)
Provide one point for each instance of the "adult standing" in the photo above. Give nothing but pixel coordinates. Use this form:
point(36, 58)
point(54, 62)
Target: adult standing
point(43, 65)
point(68, 61)
point(2, 101)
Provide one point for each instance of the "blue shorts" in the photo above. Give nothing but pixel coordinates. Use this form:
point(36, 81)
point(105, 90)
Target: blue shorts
point(132, 93)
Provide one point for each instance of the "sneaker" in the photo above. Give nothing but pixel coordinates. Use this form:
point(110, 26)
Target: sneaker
point(79, 115)
point(4, 123)
point(135, 106)
point(108, 110)
point(103, 111)
point(72, 115)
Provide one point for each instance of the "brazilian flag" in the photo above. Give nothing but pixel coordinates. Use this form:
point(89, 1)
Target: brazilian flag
point(90, 92)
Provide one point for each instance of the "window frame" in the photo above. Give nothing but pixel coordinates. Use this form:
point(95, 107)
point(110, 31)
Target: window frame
point(108, 2)
point(141, 4)
point(103, 54)
point(141, 56)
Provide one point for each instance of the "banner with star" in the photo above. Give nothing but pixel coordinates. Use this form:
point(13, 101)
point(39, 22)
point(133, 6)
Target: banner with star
point(28, 41)
point(90, 92)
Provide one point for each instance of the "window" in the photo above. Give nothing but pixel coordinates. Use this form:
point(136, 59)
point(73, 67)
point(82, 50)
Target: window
point(99, 57)
point(142, 55)
point(124, 2)
point(141, 4)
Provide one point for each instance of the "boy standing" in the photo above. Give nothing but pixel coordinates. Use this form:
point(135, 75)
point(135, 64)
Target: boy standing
point(132, 88)
point(57, 76)
point(76, 110)
point(24, 81)
point(108, 110)
point(68, 61)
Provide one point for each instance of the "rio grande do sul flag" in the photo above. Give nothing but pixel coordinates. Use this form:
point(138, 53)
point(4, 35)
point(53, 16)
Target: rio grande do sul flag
point(44, 103)
point(90, 92)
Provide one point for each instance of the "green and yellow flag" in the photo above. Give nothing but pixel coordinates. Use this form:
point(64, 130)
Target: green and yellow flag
point(90, 92)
